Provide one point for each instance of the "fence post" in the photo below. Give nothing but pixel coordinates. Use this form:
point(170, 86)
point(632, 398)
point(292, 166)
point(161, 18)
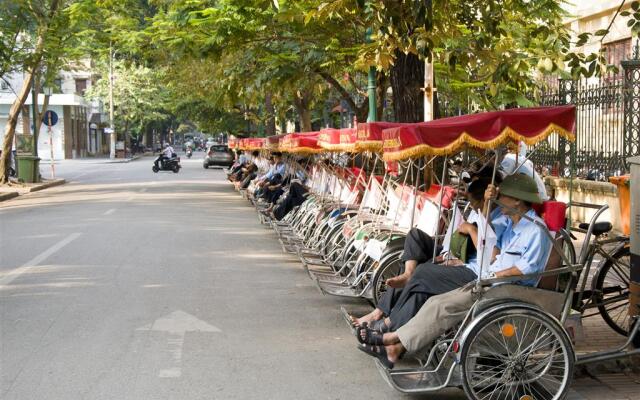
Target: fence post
point(631, 137)
point(567, 90)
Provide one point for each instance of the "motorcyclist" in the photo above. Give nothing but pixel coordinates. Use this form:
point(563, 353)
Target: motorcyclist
point(166, 154)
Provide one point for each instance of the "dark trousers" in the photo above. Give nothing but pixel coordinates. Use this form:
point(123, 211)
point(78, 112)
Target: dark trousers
point(160, 160)
point(418, 246)
point(428, 280)
point(295, 197)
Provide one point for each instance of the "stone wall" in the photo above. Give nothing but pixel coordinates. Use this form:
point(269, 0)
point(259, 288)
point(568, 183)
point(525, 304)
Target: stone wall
point(598, 193)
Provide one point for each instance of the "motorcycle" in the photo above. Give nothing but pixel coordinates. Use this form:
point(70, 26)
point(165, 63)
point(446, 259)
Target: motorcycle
point(189, 152)
point(171, 164)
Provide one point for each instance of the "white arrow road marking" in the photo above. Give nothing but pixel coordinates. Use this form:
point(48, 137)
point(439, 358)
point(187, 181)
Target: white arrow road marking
point(176, 324)
point(109, 212)
point(8, 277)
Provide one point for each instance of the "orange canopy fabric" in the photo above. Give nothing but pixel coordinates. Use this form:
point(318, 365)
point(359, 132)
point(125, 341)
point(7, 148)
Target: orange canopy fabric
point(369, 135)
point(232, 143)
point(484, 130)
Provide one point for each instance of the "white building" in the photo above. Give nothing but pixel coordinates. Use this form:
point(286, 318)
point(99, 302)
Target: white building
point(78, 132)
point(593, 15)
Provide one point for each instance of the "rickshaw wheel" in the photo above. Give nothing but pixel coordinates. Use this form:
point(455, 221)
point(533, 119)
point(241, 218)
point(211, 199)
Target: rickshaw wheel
point(611, 287)
point(516, 353)
point(388, 269)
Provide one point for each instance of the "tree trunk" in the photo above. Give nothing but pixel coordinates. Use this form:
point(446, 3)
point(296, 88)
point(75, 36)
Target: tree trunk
point(10, 128)
point(407, 76)
point(361, 110)
point(271, 119)
point(381, 93)
point(301, 101)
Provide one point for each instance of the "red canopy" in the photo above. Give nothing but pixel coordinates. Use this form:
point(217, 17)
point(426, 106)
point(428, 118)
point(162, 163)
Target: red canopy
point(255, 143)
point(484, 130)
point(369, 135)
point(300, 142)
point(273, 142)
point(333, 139)
point(233, 143)
point(329, 139)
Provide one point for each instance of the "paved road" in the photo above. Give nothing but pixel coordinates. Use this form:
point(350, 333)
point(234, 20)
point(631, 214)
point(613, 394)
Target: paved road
point(124, 284)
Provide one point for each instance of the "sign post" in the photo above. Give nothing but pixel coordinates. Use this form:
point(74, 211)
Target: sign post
point(50, 118)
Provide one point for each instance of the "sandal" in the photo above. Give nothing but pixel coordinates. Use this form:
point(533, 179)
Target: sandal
point(366, 335)
point(378, 352)
point(380, 326)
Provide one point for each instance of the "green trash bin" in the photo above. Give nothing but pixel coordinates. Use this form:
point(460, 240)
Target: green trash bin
point(28, 168)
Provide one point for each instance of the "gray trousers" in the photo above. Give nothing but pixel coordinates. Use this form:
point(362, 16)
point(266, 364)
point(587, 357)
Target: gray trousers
point(445, 311)
point(439, 314)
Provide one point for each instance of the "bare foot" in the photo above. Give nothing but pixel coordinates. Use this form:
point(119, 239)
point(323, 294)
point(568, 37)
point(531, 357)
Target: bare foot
point(394, 352)
point(398, 281)
point(374, 315)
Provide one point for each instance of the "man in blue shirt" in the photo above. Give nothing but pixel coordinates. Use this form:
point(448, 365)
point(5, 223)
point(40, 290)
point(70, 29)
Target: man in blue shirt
point(524, 248)
point(271, 182)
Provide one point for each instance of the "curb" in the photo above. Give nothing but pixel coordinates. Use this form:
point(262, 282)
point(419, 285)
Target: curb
point(8, 195)
point(46, 185)
point(124, 161)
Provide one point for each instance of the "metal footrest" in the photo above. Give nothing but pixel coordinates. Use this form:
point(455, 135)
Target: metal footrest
point(347, 318)
point(328, 276)
point(419, 380)
point(338, 290)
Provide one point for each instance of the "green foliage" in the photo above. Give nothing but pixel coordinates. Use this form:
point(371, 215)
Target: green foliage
point(139, 97)
point(634, 17)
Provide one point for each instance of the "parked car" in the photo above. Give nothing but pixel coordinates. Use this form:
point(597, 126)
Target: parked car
point(218, 154)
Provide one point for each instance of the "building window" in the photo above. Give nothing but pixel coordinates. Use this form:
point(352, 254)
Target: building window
point(81, 86)
point(4, 87)
point(616, 52)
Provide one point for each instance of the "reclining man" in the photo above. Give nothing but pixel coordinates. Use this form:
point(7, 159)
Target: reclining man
point(524, 249)
point(419, 249)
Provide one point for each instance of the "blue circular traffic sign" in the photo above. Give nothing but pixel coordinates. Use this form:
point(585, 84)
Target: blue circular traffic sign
point(50, 118)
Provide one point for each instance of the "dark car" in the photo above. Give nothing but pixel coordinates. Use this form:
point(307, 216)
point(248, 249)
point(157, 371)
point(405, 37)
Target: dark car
point(218, 154)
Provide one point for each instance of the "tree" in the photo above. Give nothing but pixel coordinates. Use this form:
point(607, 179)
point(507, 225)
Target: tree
point(42, 26)
point(258, 46)
point(139, 96)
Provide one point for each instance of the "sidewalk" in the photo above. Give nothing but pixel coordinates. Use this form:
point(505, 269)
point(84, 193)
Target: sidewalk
point(612, 380)
point(96, 160)
point(18, 189)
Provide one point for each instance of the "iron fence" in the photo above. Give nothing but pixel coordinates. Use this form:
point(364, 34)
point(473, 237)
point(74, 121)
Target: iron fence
point(607, 124)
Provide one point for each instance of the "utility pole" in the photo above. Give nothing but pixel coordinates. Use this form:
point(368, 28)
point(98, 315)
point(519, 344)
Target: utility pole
point(34, 116)
point(112, 147)
point(371, 87)
point(429, 90)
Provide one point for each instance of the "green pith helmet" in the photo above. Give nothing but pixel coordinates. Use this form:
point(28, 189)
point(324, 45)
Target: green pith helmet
point(521, 187)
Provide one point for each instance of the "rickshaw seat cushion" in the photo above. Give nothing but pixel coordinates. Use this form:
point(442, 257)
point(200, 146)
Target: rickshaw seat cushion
point(598, 228)
point(554, 261)
point(554, 214)
point(549, 301)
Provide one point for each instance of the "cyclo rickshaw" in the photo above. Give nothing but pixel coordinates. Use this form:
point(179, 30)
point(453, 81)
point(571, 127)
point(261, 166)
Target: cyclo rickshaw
point(511, 342)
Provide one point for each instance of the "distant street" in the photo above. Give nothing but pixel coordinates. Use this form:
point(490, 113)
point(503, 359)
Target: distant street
point(125, 284)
